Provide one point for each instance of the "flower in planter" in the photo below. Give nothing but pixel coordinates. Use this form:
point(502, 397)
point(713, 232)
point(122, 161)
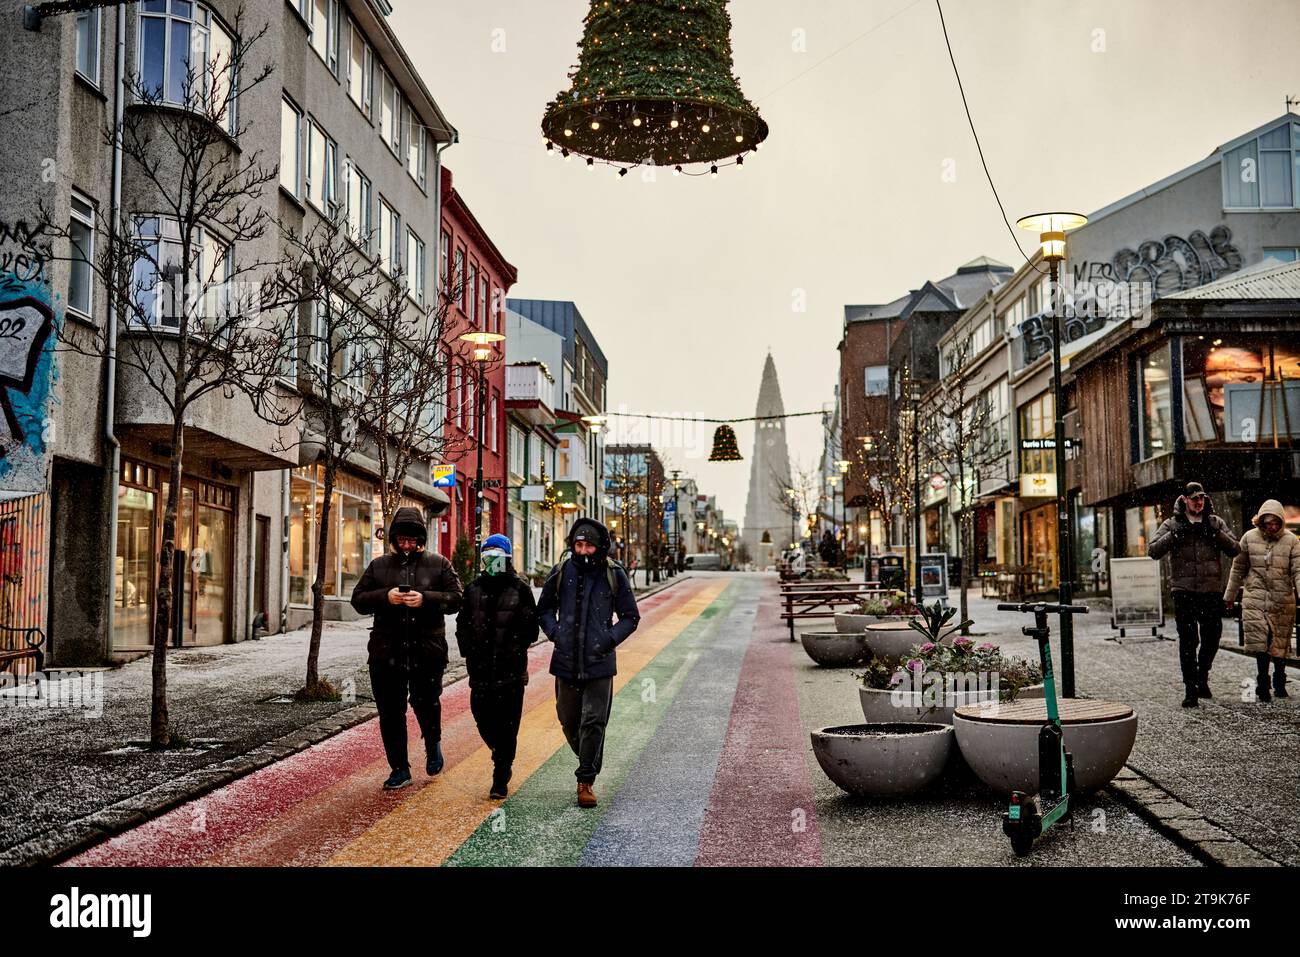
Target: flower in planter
point(915, 665)
point(880, 674)
point(928, 647)
point(932, 623)
point(962, 644)
point(987, 646)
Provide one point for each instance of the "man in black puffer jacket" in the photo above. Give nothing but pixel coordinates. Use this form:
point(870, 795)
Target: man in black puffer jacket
point(576, 610)
point(496, 625)
point(408, 590)
point(1195, 539)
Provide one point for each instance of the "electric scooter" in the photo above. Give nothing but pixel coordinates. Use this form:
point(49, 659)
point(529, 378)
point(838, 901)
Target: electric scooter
point(1030, 815)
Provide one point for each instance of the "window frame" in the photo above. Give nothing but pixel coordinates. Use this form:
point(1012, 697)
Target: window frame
point(201, 244)
point(366, 102)
point(307, 9)
point(363, 239)
point(86, 219)
point(1292, 126)
point(202, 18)
point(415, 265)
point(329, 203)
point(95, 34)
point(390, 231)
point(298, 115)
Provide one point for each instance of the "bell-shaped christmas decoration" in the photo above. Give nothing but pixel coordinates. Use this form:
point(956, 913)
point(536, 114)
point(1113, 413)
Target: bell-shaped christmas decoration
point(724, 445)
point(654, 84)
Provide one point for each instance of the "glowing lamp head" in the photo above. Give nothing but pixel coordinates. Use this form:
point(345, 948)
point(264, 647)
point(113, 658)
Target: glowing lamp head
point(1051, 229)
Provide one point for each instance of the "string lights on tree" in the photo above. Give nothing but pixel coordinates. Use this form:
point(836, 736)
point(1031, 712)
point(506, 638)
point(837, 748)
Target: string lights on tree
point(654, 86)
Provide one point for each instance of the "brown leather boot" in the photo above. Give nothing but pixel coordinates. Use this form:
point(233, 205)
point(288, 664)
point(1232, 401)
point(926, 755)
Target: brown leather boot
point(586, 796)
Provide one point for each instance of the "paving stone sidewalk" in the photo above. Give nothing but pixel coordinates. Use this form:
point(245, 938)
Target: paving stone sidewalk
point(1223, 778)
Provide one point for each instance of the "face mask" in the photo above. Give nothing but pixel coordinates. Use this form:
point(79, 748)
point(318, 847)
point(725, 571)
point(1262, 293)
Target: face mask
point(494, 561)
point(585, 561)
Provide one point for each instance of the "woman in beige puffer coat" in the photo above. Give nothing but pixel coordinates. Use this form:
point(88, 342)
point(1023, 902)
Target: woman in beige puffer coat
point(1267, 571)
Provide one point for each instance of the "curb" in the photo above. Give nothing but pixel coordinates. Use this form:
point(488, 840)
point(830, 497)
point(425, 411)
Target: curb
point(1182, 824)
point(71, 838)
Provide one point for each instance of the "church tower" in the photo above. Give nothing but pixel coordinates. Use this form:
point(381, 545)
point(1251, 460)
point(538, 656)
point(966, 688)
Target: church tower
point(767, 511)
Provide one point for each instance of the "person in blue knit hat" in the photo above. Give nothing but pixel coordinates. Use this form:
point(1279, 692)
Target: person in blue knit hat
point(496, 625)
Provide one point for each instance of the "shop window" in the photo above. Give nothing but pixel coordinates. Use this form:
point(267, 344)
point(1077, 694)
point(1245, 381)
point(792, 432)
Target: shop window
point(1239, 389)
point(1140, 525)
point(135, 563)
point(1154, 395)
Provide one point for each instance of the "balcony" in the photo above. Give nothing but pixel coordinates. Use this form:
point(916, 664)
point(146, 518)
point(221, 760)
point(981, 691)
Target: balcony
point(530, 393)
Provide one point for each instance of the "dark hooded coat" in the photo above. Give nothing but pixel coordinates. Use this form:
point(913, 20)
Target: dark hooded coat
point(1195, 549)
point(496, 625)
point(577, 608)
point(401, 635)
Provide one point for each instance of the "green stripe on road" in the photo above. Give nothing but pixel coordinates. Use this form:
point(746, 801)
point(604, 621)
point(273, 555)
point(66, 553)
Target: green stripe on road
point(540, 824)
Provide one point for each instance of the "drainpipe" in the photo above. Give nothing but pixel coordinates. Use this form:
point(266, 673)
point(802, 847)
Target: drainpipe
point(110, 363)
point(252, 544)
point(284, 552)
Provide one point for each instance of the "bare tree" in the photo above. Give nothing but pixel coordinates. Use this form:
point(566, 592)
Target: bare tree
point(961, 441)
point(189, 316)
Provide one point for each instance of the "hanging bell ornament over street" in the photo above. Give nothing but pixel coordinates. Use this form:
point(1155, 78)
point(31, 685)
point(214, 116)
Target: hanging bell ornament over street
point(654, 84)
point(724, 445)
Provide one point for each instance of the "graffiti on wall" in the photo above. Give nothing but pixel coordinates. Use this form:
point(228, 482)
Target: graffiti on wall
point(1168, 265)
point(27, 325)
point(1096, 293)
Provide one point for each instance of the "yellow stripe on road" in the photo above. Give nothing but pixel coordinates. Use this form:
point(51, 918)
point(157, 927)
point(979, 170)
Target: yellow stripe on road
point(441, 816)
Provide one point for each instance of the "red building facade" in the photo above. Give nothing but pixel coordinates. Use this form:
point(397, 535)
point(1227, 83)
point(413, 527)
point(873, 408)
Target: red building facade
point(480, 278)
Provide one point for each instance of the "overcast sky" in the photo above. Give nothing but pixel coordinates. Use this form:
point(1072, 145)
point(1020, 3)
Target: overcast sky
point(688, 282)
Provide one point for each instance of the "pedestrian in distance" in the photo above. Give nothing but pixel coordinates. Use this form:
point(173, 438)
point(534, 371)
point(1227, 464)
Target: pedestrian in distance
point(1267, 573)
point(496, 625)
point(581, 596)
point(408, 590)
point(1195, 539)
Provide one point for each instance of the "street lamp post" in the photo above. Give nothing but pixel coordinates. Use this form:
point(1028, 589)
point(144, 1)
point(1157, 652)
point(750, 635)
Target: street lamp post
point(1051, 229)
point(484, 350)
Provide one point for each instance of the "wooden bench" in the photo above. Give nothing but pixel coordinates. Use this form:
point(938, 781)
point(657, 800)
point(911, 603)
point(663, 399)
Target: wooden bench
point(17, 644)
point(807, 601)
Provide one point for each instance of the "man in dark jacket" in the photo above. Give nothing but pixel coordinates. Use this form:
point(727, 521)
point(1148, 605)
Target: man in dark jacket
point(1195, 539)
point(408, 590)
point(496, 625)
point(576, 610)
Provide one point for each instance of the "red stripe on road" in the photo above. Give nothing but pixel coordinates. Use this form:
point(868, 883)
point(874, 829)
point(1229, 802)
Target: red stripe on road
point(761, 810)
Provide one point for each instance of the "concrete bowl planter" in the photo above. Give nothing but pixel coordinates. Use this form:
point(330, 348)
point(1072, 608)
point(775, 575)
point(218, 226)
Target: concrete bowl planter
point(847, 623)
point(883, 760)
point(883, 705)
point(892, 639)
point(1002, 747)
point(834, 649)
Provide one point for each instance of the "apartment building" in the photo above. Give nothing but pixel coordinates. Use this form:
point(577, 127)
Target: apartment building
point(341, 110)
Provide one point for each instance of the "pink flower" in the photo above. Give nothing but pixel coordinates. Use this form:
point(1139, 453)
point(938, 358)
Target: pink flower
point(915, 665)
point(987, 646)
point(962, 642)
point(896, 679)
point(927, 647)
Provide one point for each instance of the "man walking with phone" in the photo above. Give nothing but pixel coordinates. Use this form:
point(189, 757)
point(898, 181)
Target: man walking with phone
point(408, 590)
point(576, 611)
point(1195, 539)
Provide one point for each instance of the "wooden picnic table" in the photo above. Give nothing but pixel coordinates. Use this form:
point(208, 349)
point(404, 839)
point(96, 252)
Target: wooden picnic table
point(807, 603)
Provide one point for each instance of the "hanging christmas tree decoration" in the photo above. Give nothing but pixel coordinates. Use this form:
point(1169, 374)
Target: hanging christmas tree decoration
point(654, 85)
point(724, 445)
